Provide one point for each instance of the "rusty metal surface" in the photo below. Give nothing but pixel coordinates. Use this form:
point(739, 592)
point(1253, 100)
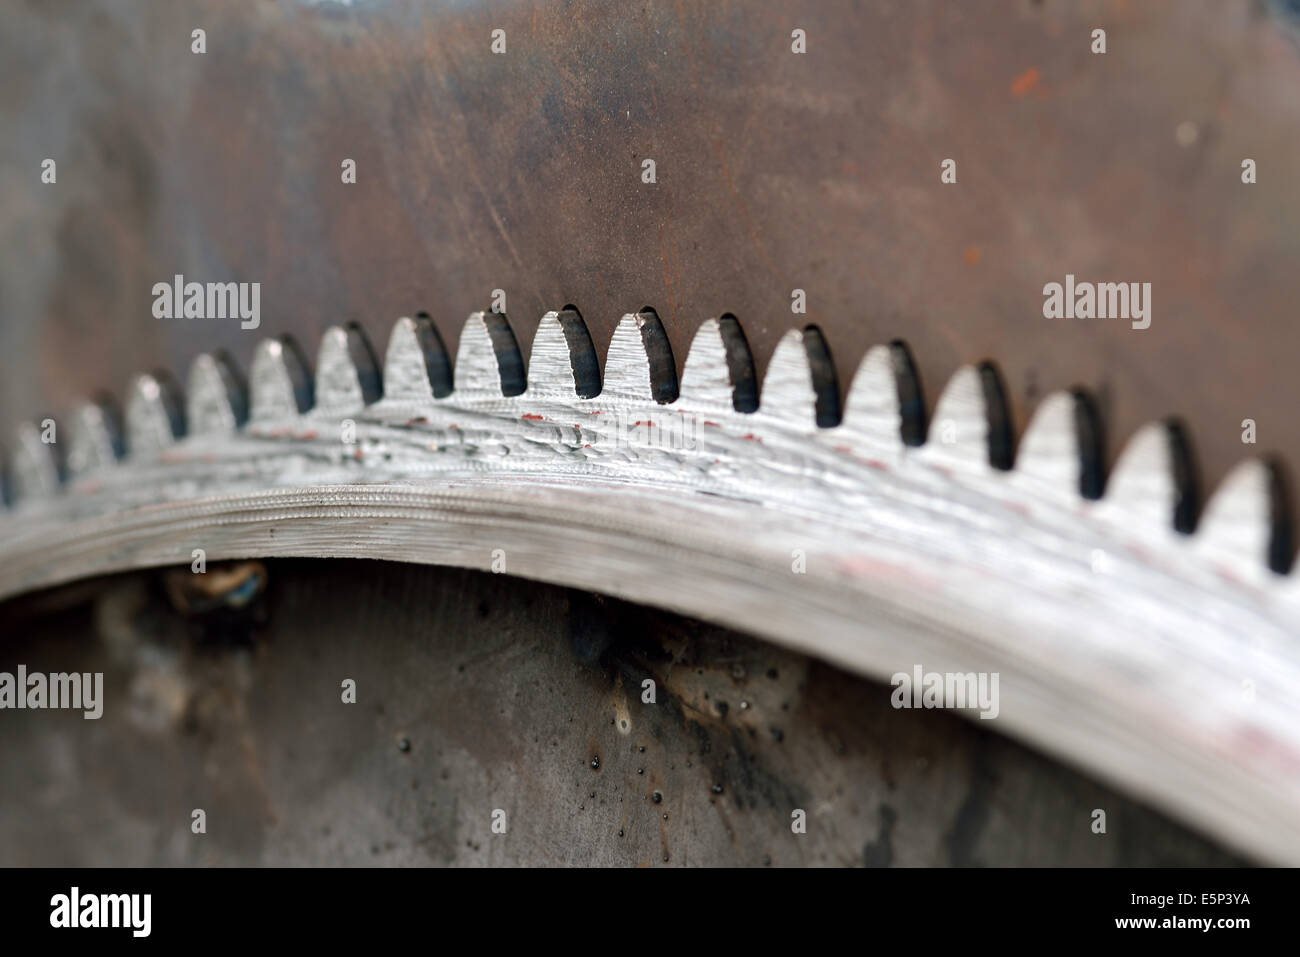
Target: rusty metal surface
point(477, 692)
point(775, 171)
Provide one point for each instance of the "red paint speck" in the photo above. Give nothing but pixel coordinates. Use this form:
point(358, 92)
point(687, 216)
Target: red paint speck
point(1025, 82)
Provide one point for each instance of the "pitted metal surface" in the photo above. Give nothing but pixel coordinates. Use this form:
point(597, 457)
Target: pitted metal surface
point(479, 692)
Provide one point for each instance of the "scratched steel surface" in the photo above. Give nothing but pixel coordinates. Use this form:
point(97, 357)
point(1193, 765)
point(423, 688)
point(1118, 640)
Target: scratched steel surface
point(775, 171)
point(478, 692)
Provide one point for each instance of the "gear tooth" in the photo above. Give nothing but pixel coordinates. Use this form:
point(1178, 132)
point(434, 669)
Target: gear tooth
point(627, 367)
point(885, 408)
point(416, 366)
point(1154, 481)
point(548, 364)
point(347, 373)
point(563, 360)
point(477, 370)
point(1049, 451)
point(95, 437)
point(706, 380)
point(719, 369)
point(639, 363)
point(488, 361)
point(216, 398)
point(338, 385)
point(788, 393)
point(1062, 452)
point(962, 431)
point(800, 389)
point(1247, 521)
point(279, 381)
point(33, 465)
point(153, 414)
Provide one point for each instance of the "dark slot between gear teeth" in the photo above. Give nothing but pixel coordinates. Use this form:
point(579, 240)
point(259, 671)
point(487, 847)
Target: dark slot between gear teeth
point(740, 365)
point(1090, 437)
point(1001, 437)
point(173, 402)
point(825, 385)
point(112, 423)
point(582, 352)
point(663, 370)
point(1281, 524)
point(510, 361)
point(366, 363)
point(914, 422)
point(1187, 486)
point(437, 364)
point(58, 452)
point(300, 376)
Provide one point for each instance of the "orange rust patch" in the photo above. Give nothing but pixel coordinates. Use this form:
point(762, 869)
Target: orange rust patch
point(1025, 82)
point(972, 255)
point(533, 417)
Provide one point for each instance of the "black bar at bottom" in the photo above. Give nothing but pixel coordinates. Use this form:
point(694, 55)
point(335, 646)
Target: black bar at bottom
point(303, 906)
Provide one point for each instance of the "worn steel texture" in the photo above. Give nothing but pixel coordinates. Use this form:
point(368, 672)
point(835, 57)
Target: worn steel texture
point(477, 692)
point(775, 171)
